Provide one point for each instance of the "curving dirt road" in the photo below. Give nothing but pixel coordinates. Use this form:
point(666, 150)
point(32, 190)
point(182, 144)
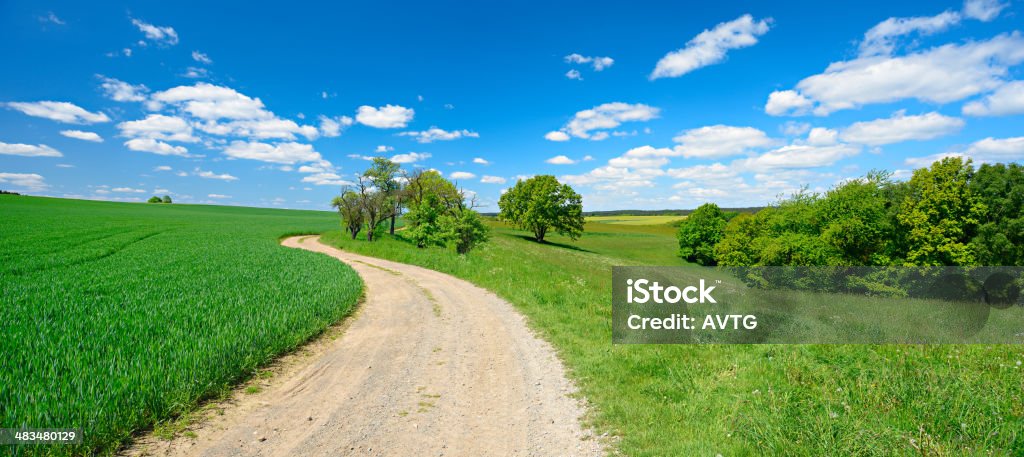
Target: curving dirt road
point(430, 365)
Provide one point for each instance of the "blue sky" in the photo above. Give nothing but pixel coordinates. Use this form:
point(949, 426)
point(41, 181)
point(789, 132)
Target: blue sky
point(651, 105)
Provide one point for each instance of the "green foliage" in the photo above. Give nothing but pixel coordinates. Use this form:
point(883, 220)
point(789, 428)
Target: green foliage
point(154, 199)
point(350, 209)
point(463, 230)
point(1000, 237)
point(941, 214)
point(440, 216)
point(115, 316)
point(700, 232)
point(541, 203)
point(423, 220)
point(167, 199)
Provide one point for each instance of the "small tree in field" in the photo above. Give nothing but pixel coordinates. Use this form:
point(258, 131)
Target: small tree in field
point(375, 204)
point(384, 175)
point(540, 204)
point(351, 211)
point(699, 234)
point(166, 199)
point(154, 199)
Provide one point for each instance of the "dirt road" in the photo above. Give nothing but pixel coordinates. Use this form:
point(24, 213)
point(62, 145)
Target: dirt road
point(431, 365)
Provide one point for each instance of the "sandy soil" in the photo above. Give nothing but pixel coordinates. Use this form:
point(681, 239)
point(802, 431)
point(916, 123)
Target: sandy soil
point(431, 365)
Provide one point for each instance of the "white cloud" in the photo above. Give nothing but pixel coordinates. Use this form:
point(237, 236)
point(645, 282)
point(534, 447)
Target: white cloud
point(27, 181)
point(782, 102)
point(983, 10)
point(162, 168)
point(381, 149)
point(82, 135)
point(881, 39)
point(196, 73)
point(598, 63)
point(938, 75)
point(411, 157)
point(159, 127)
point(556, 136)
point(211, 175)
point(51, 18)
point(59, 111)
point(219, 196)
point(713, 172)
point(1007, 100)
point(65, 165)
point(574, 74)
point(720, 141)
point(261, 129)
point(28, 150)
point(927, 161)
point(209, 102)
point(481, 161)
point(156, 147)
point(462, 175)
point(795, 156)
point(326, 179)
point(998, 150)
point(487, 179)
point(161, 35)
point(793, 128)
point(283, 153)
point(332, 127)
point(711, 46)
point(560, 160)
point(435, 134)
point(120, 91)
point(603, 117)
point(901, 127)
point(201, 58)
point(385, 117)
point(128, 190)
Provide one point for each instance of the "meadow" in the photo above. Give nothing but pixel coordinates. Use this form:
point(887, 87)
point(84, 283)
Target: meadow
point(116, 316)
point(635, 220)
point(733, 399)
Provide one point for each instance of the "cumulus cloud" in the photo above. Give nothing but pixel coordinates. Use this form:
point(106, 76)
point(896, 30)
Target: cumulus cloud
point(481, 161)
point(597, 62)
point(462, 175)
point(121, 91)
point(159, 127)
point(59, 111)
point(820, 149)
point(385, 117)
point(28, 150)
point(560, 160)
point(211, 175)
point(556, 136)
point(435, 134)
point(156, 147)
point(1007, 100)
point(210, 102)
point(487, 179)
point(938, 75)
point(411, 157)
point(128, 190)
point(201, 58)
point(331, 127)
point(901, 127)
point(26, 181)
point(593, 123)
point(82, 135)
point(218, 196)
point(162, 168)
point(282, 153)
point(983, 10)
point(720, 141)
point(157, 34)
point(710, 46)
point(881, 39)
point(574, 74)
point(326, 179)
point(998, 150)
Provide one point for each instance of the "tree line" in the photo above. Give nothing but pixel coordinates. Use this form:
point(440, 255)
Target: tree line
point(950, 213)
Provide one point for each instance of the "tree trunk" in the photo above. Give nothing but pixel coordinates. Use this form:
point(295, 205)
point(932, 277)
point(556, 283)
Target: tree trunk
point(392, 224)
point(539, 234)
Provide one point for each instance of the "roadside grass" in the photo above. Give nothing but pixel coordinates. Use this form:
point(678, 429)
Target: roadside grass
point(117, 317)
point(734, 399)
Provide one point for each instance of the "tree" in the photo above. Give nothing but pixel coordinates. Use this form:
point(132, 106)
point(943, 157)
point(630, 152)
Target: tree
point(1000, 237)
point(440, 215)
point(154, 199)
point(542, 203)
point(375, 204)
point(941, 214)
point(700, 232)
point(350, 208)
point(384, 173)
point(167, 199)
point(463, 230)
point(855, 221)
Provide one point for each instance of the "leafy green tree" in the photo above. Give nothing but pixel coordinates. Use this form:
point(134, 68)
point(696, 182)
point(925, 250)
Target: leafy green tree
point(941, 214)
point(463, 230)
point(375, 204)
point(700, 232)
point(423, 221)
point(350, 208)
point(1000, 237)
point(166, 199)
point(384, 175)
point(855, 221)
point(154, 199)
point(440, 215)
point(540, 204)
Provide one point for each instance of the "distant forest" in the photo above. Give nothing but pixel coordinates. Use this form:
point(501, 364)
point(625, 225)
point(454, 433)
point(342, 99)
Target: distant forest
point(655, 212)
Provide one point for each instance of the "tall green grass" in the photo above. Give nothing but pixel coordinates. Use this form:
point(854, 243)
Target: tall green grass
point(735, 399)
point(115, 316)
